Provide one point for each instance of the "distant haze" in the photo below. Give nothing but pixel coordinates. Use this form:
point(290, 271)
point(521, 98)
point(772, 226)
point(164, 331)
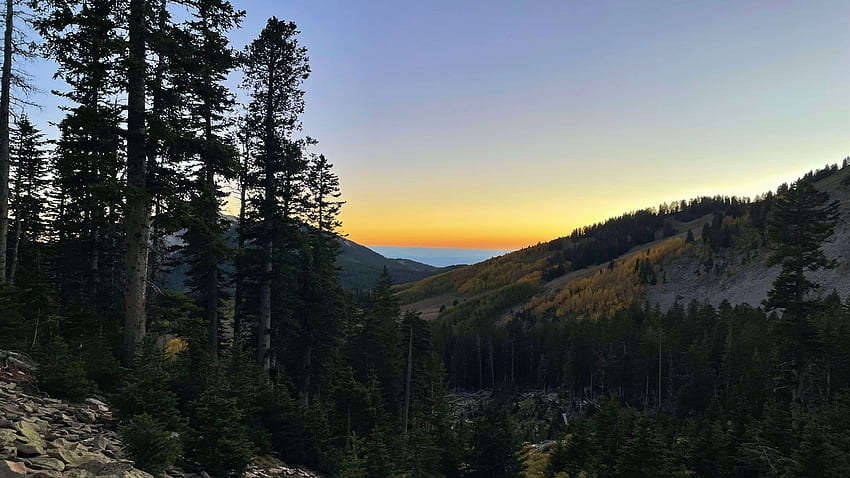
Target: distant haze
point(439, 257)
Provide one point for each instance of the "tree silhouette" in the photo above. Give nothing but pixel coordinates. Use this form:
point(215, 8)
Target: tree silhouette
point(803, 220)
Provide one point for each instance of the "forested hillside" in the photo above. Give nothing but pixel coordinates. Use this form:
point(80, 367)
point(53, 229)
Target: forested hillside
point(703, 387)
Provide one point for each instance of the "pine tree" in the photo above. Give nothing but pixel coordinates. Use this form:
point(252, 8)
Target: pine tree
point(317, 316)
point(88, 163)
point(416, 340)
point(354, 462)
point(379, 346)
point(208, 103)
point(433, 421)
point(29, 190)
point(275, 67)
point(219, 437)
point(494, 451)
point(170, 139)
point(323, 206)
point(802, 221)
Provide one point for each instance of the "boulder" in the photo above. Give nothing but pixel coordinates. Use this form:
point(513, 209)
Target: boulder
point(29, 449)
point(67, 456)
point(8, 437)
point(32, 433)
point(46, 463)
point(45, 474)
point(78, 473)
point(63, 443)
point(12, 469)
point(8, 451)
point(114, 469)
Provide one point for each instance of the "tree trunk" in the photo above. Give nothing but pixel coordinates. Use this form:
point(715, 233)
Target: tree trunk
point(307, 370)
point(480, 363)
point(492, 365)
point(797, 390)
point(828, 379)
point(211, 267)
point(210, 189)
point(659, 370)
point(13, 255)
point(409, 374)
point(239, 295)
point(5, 95)
point(137, 207)
point(264, 321)
point(211, 306)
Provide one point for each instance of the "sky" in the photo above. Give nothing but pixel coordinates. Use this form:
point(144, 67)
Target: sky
point(500, 124)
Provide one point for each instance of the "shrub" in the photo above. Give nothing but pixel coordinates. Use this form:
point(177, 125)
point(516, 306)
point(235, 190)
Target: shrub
point(219, 438)
point(150, 444)
point(63, 374)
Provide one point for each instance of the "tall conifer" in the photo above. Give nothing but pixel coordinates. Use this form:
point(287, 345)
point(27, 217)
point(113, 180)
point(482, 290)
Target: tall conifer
point(275, 68)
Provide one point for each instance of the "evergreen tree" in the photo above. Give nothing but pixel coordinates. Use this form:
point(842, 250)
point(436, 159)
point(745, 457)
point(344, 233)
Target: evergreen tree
point(208, 103)
point(29, 190)
point(317, 317)
point(170, 140)
point(219, 438)
point(494, 449)
point(88, 163)
point(378, 344)
point(323, 194)
point(802, 221)
point(437, 441)
point(275, 67)
point(354, 462)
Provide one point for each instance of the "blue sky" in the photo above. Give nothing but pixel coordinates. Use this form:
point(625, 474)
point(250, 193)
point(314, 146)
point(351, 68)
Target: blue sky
point(498, 124)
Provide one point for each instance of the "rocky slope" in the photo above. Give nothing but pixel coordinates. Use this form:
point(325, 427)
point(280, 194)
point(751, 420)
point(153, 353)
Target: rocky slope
point(42, 437)
point(740, 275)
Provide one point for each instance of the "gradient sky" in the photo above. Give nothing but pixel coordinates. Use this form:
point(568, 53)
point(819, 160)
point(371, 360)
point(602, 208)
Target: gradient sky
point(496, 124)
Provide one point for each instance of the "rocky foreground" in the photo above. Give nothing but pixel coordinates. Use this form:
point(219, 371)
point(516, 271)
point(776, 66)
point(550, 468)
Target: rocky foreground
point(42, 437)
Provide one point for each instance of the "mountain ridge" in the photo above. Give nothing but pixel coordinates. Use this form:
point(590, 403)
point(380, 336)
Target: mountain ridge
point(659, 256)
point(360, 267)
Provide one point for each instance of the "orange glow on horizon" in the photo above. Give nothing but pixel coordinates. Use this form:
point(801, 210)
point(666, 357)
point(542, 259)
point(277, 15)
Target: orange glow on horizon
point(488, 215)
point(520, 221)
